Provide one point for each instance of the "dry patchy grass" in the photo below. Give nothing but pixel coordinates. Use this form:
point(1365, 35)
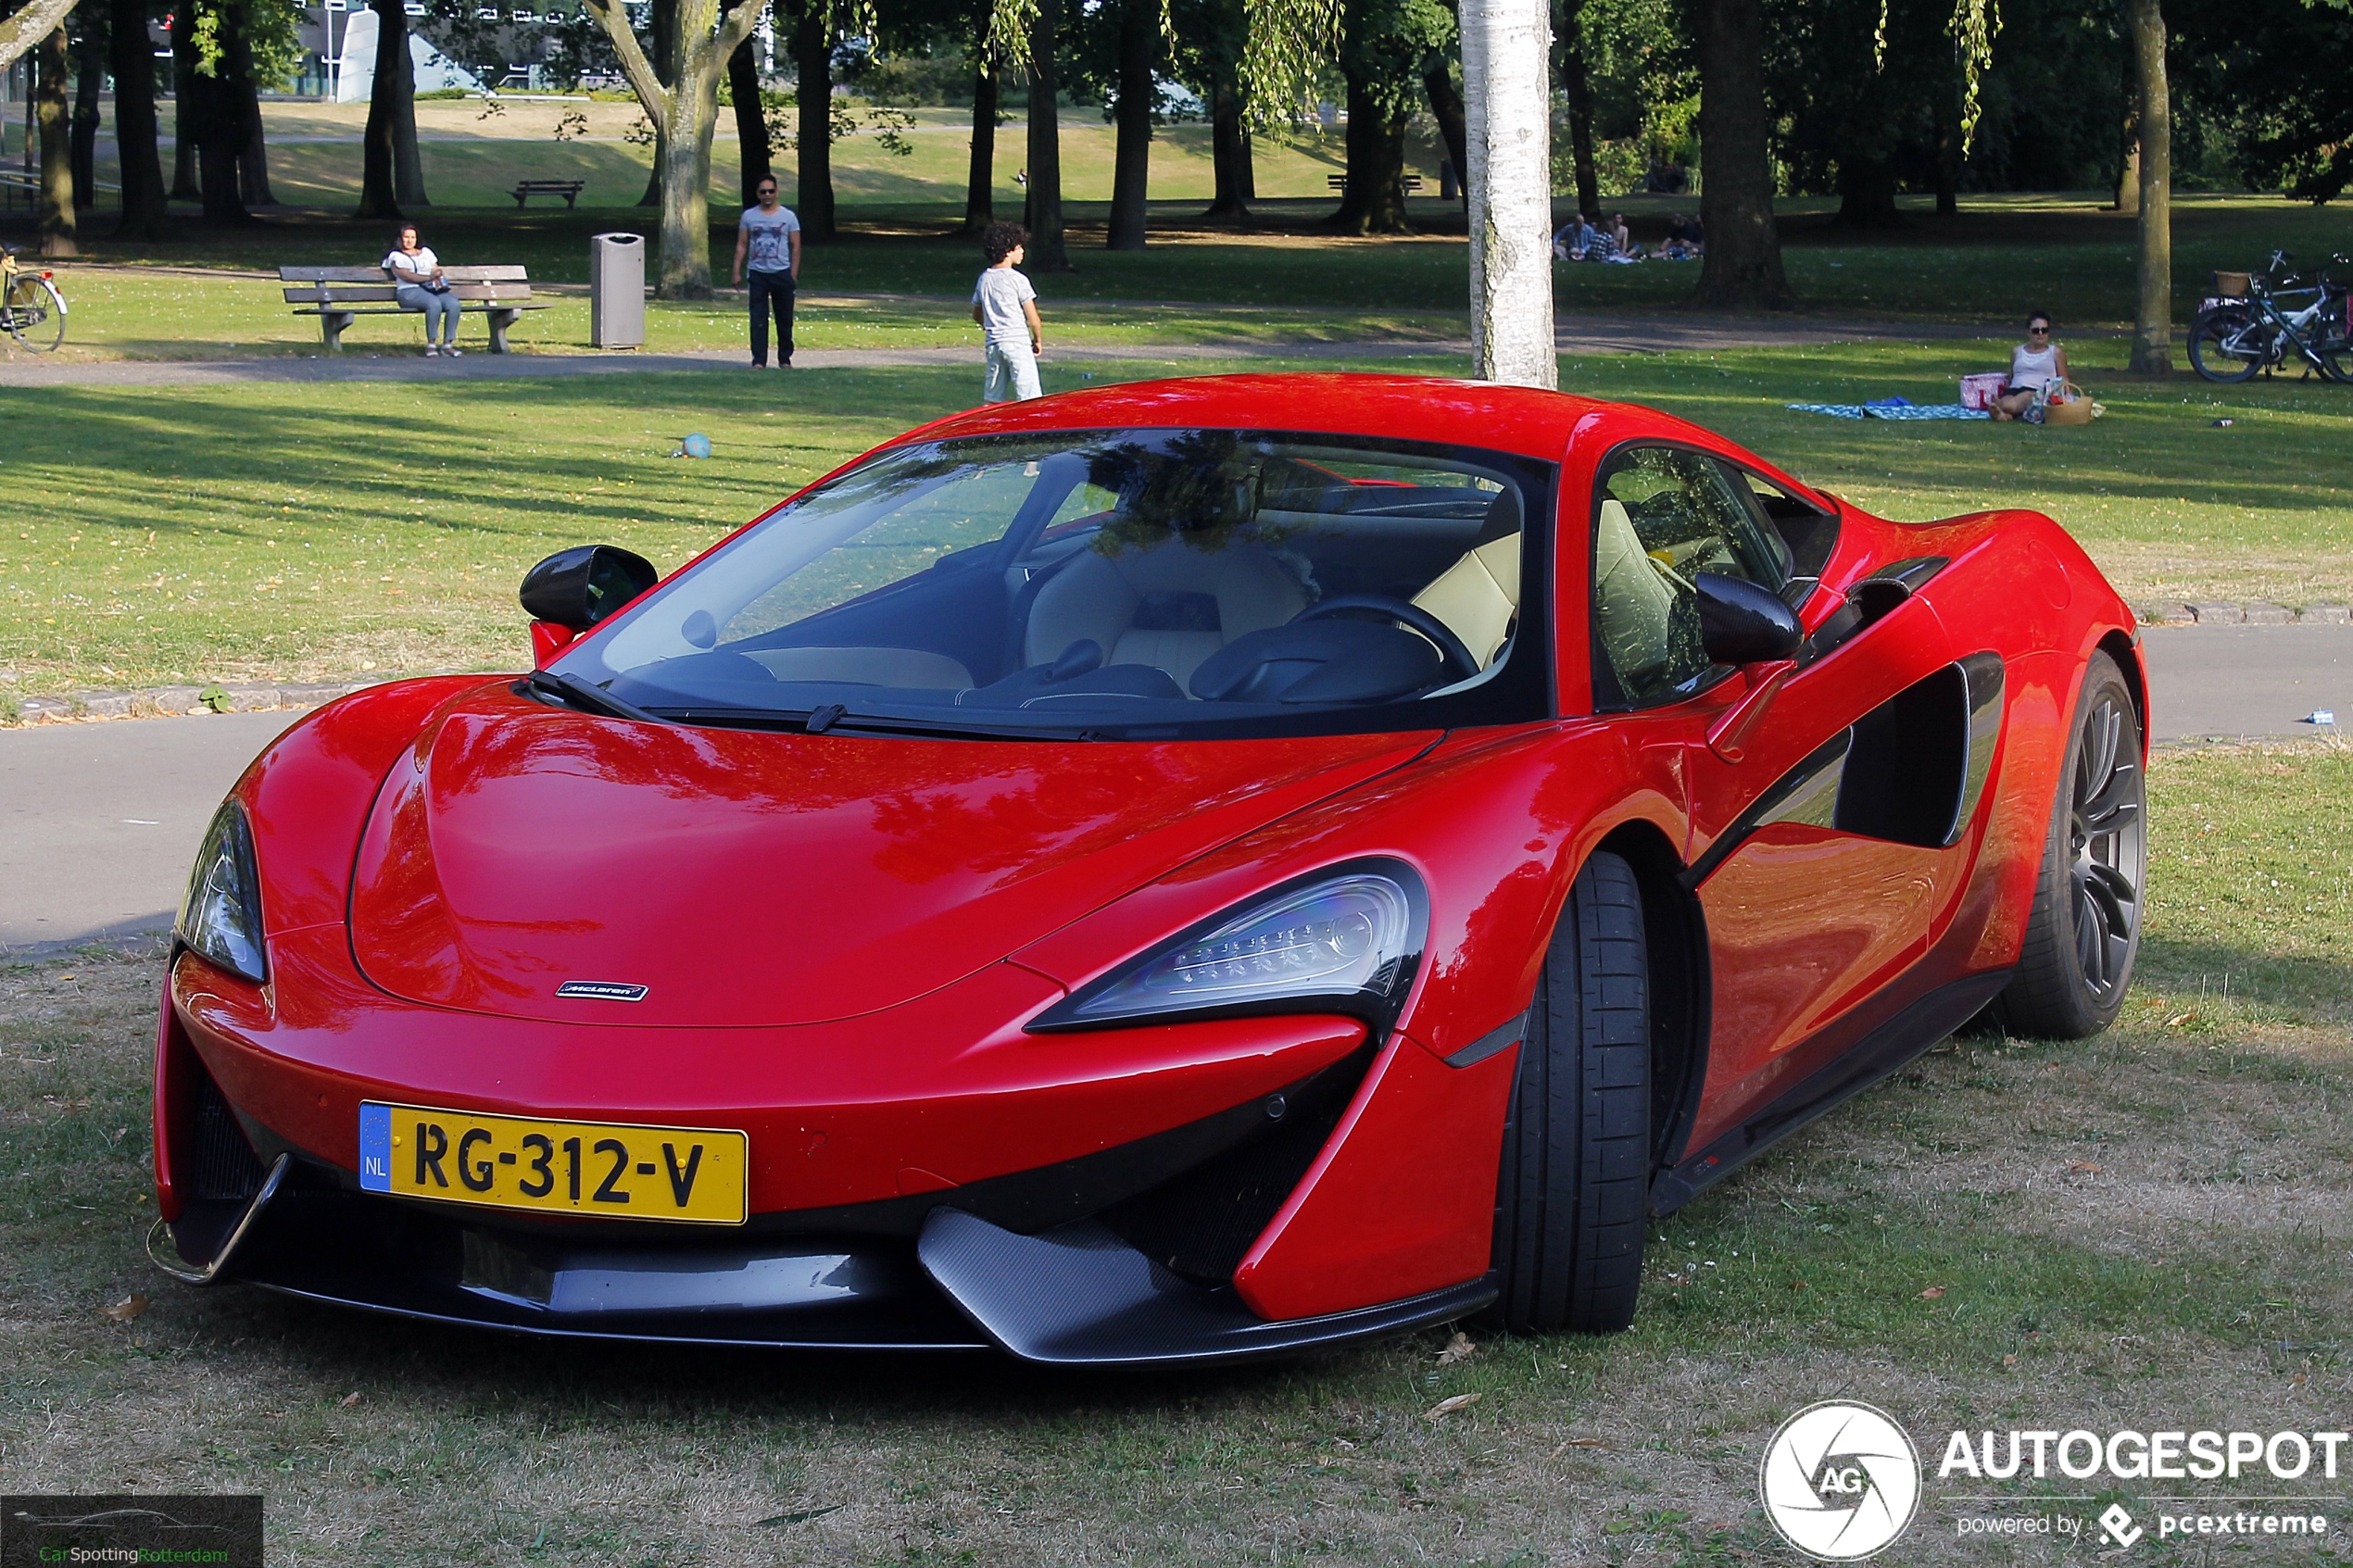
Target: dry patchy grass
point(2147, 1229)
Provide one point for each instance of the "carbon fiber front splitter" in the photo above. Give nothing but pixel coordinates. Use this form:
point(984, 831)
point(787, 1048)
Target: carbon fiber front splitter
point(1075, 1294)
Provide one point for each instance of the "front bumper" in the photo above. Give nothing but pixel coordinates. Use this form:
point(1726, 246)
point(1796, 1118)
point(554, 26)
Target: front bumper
point(1075, 1294)
point(1140, 1251)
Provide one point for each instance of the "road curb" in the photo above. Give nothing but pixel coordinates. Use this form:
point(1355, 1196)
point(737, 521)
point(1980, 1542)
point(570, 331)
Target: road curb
point(162, 701)
point(2217, 613)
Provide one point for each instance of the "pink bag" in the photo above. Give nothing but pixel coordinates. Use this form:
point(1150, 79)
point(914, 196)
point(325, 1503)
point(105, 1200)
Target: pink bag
point(1978, 391)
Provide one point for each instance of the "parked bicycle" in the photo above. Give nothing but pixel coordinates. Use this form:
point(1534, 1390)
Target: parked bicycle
point(2279, 316)
point(31, 310)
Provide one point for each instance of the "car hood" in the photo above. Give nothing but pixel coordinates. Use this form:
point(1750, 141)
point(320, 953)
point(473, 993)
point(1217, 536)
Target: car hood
point(748, 878)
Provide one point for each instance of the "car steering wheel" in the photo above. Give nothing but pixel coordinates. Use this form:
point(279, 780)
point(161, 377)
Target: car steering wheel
point(1453, 654)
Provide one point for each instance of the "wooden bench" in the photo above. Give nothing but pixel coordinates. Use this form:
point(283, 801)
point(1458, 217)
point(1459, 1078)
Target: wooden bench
point(568, 189)
point(338, 295)
point(1339, 182)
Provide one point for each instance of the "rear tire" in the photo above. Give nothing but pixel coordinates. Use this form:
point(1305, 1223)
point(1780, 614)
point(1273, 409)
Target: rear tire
point(2084, 930)
point(1573, 1192)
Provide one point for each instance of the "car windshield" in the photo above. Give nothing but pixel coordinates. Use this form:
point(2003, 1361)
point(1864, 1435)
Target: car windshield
point(1110, 584)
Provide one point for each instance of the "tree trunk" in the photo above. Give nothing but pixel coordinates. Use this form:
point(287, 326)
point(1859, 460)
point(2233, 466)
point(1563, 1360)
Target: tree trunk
point(223, 95)
point(379, 195)
point(980, 180)
point(89, 77)
point(1948, 156)
point(1048, 251)
point(144, 210)
point(1575, 83)
point(53, 111)
point(1742, 269)
point(2153, 322)
point(253, 157)
point(1508, 170)
point(1446, 109)
point(1229, 147)
point(26, 29)
point(662, 22)
point(1866, 193)
point(2128, 163)
point(1375, 201)
point(408, 168)
point(1358, 158)
point(686, 112)
point(187, 104)
point(1246, 170)
point(1131, 162)
point(814, 58)
point(751, 119)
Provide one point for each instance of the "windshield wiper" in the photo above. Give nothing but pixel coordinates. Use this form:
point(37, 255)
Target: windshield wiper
point(833, 719)
point(577, 693)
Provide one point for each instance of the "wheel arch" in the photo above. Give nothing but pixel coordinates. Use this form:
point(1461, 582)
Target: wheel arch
point(2118, 645)
point(1675, 929)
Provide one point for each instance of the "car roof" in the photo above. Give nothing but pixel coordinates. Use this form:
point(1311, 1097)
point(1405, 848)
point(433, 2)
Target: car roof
point(1453, 412)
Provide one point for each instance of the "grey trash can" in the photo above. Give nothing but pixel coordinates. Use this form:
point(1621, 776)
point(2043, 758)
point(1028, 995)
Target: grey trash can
point(617, 291)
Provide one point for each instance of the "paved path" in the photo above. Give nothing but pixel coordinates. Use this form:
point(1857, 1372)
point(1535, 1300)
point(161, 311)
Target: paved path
point(1575, 335)
point(99, 822)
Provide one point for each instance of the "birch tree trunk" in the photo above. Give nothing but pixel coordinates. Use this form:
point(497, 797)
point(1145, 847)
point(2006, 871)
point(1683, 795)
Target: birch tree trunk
point(29, 26)
point(2153, 322)
point(1506, 45)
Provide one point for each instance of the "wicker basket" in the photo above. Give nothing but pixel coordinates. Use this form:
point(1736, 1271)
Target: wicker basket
point(2231, 286)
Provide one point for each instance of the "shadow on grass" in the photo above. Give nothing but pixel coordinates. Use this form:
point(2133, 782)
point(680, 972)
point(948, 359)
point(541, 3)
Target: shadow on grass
point(2298, 983)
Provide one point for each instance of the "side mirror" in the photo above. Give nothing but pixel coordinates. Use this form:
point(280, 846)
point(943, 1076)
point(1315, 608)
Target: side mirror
point(1742, 623)
point(577, 588)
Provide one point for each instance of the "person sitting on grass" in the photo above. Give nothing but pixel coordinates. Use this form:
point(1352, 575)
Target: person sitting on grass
point(2034, 364)
point(418, 284)
point(1682, 240)
point(1623, 237)
point(1006, 306)
point(1575, 241)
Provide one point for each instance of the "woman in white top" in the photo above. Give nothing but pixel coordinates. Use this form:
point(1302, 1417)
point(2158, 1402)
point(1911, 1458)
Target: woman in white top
point(419, 286)
point(2033, 363)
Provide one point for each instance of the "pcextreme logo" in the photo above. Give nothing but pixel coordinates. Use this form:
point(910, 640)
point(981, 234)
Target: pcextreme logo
point(1840, 1480)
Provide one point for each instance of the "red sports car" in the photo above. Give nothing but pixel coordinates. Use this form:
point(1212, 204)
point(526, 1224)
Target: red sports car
point(1172, 871)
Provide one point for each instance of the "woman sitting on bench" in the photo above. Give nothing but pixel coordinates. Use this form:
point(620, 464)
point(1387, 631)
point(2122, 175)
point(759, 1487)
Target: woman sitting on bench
point(419, 286)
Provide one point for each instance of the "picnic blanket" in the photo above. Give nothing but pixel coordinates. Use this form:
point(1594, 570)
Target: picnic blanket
point(1892, 409)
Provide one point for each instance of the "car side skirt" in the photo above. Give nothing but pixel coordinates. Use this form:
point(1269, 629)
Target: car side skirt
point(1874, 1056)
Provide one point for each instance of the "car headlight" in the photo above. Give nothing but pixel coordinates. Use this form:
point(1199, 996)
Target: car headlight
point(221, 916)
point(1346, 939)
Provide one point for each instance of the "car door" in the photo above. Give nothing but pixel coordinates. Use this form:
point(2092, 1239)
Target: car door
point(1810, 901)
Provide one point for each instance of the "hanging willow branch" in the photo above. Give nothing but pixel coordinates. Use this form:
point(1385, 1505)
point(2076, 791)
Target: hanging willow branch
point(1289, 43)
point(1974, 26)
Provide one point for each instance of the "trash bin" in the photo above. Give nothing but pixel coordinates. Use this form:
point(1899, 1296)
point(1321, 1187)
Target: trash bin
point(617, 291)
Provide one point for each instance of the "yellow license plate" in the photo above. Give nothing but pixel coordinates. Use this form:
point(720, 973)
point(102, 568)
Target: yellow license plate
point(610, 1170)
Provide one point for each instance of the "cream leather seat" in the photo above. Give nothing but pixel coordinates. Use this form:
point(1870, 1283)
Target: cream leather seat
point(1096, 598)
point(1633, 598)
point(1479, 594)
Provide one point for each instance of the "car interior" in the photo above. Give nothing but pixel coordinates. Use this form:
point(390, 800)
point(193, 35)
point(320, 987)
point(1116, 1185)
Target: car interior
point(1177, 575)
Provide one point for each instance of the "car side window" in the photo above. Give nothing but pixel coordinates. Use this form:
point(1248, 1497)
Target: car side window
point(1663, 515)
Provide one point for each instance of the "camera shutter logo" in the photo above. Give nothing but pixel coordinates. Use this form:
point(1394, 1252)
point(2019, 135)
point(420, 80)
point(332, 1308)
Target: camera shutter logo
point(1840, 1480)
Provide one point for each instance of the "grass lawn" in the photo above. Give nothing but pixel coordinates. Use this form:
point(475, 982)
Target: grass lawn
point(2148, 1230)
point(315, 531)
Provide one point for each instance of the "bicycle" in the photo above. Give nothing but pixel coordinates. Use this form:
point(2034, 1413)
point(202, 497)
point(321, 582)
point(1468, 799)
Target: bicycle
point(2232, 338)
point(31, 310)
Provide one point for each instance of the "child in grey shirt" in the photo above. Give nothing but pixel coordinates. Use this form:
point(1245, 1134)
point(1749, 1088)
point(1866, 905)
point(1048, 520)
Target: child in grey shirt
point(1006, 308)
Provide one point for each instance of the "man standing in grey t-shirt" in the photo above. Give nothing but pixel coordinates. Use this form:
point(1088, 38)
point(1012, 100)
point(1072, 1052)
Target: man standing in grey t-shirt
point(768, 250)
point(1006, 306)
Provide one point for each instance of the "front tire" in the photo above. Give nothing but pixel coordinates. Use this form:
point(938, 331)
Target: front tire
point(35, 314)
point(2083, 932)
point(1574, 1188)
point(2228, 345)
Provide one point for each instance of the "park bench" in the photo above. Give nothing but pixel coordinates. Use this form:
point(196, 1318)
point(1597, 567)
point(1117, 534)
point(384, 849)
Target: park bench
point(1339, 182)
point(338, 295)
point(568, 189)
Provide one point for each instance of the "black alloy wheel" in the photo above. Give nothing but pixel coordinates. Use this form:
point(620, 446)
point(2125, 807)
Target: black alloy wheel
point(2084, 930)
point(1573, 1192)
point(2228, 343)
